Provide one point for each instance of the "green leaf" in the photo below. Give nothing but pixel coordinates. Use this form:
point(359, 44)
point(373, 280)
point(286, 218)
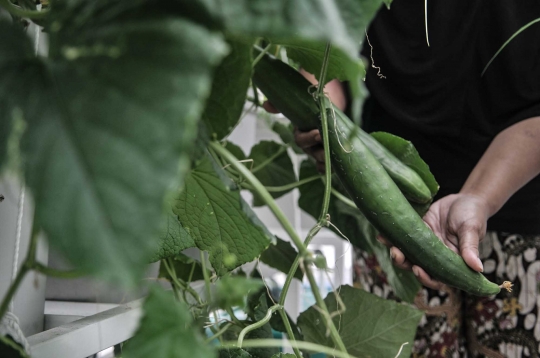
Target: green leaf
point(354, 225)
point(235, 150)
point(111, 120)
point(285, 132)
point(174, 240)
point(229, 89)
point(282, 19)
point(356, 15)
point(183, 266)
point(13, 47)
point(11, 349)
point(281, 257)
point(405, 151)
point(388, 3)
point(283, 355)
point(166, 330)
point(370, 327)
point(232, 291)
point(212, 211)
point(272, 166)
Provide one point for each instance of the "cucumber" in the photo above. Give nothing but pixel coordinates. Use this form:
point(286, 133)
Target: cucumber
point(288, 91)
point(381, 201)
point(369, 183)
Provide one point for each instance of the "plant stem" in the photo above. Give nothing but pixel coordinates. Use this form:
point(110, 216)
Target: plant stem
point(56, 273)
point(295, 265)
point(289, 331)
point(286, 186)
point(257, 324)
point(206, 278)
point(218, 333)
point(234, 318)
point(263, 193)
point(174, 282)
point(269, 159)
point(258, 58)
point(17, 11)
point(326, 141)
point(343, 198)
point(25, 267)
point(12, 289)
point(313, 347)
point(324, 68)
point(334, 334)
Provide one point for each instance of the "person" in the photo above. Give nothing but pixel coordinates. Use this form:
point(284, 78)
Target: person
point(480, 135)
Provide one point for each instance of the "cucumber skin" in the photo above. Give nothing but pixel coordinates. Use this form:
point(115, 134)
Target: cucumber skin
point(288, 91)
point(383, 204)
point(410, 183)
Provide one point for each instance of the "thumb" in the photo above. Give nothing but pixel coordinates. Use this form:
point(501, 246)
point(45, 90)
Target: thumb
point(468, 248)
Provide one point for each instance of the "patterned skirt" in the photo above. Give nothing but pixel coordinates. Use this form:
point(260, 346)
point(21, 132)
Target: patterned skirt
point(456, 324)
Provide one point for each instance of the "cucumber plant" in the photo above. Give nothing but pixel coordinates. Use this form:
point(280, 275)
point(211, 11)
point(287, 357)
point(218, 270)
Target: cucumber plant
point(120, 135)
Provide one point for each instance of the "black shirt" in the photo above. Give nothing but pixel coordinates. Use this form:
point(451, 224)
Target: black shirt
point(436, 97)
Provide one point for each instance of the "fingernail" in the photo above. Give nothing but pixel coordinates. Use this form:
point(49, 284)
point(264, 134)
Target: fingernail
point(318, 138)
point(392, 254)
point(415, 271)
point(481, 265)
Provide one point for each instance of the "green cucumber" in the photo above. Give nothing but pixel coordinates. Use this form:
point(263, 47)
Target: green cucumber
point(288, 91)
point(369, 183)
point(383, 204)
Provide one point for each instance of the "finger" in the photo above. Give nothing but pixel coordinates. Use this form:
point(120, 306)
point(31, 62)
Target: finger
point(383, 241)
point(399, 259)
point(307, 139)
point(468, 248)
point(321, 168)
point(318, 153)
point(268, 107)
point(425, 279)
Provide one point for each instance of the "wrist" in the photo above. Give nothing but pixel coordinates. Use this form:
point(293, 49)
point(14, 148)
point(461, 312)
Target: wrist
point(484, 200)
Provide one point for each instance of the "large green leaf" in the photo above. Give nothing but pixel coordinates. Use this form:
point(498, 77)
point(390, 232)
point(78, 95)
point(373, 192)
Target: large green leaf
point(229, 89)
point(281, 257)
point(283, 355)
point(212, 211)
point(173, 240)
point(354, 225)
point(13, 47)
point(166, 330)
point(405, 151)
point(272, 166)
point(356, 15)
point(185, 268)
point(283, 19)
point(111, 119)
point(370, 327)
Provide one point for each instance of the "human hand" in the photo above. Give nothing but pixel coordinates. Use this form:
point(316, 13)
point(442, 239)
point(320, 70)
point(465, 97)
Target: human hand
point(459, 220)
point(310, 142)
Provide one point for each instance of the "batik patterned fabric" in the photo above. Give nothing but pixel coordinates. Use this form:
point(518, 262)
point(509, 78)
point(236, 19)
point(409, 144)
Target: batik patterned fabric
point(456, 324)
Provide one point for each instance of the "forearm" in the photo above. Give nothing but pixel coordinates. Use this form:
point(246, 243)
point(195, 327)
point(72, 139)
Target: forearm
point(511, 160)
